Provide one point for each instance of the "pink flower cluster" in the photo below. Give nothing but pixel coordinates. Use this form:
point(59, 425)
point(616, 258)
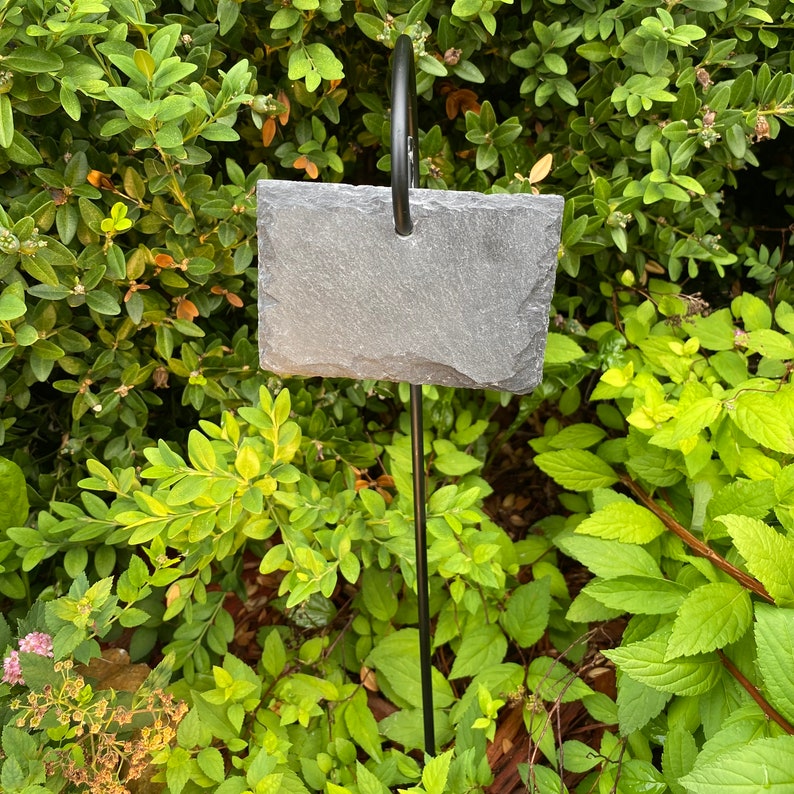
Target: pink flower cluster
point(36, 642)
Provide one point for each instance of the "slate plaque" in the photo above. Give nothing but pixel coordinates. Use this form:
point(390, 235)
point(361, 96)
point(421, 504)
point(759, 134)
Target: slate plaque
point(463, 301)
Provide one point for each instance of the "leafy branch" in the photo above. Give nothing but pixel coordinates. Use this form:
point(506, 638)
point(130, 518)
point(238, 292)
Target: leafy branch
point(755, 694)
point(697, 546)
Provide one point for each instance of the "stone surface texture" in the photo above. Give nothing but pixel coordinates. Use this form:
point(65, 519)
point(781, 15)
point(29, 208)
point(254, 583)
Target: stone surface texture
point(462, 301)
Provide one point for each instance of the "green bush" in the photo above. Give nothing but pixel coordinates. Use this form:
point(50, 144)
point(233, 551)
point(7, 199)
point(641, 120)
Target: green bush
point(157, 456)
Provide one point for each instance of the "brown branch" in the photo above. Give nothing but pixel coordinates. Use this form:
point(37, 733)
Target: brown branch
point(696, 545)
point(755, 694)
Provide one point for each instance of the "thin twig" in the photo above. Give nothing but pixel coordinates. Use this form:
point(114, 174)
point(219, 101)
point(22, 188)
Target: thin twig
point(755, 694)
point(696, 545)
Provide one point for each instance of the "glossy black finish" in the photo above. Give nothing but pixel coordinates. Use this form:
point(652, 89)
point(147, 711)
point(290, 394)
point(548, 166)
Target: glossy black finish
point(404, 134)
point(404, 175)
point(423, 597)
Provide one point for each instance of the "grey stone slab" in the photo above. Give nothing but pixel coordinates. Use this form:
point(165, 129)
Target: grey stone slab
point(463, 301)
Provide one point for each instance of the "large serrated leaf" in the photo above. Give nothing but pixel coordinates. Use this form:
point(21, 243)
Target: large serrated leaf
point(762, 765)
point(609, 558)
point(641, 595)
point(711, 617)
point(638, 704)
point(576, 469)
point(527, 613)
point(480, 648)
point(742, 497)
point(396, 659)
point(761, 419)
point(362, 725)
point(561, 349)
point(769, 555)
point(774, 636)
point(624, 521)
point(644, 662)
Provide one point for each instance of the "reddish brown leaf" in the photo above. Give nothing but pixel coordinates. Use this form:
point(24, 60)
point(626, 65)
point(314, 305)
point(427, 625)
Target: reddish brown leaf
point(461, 101)
point(186, 309)
point(283, 118)
point(268, 131)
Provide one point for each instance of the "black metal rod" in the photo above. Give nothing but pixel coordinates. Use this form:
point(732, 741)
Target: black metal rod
point(422, 591)
point(404, 175)
point(404, 134)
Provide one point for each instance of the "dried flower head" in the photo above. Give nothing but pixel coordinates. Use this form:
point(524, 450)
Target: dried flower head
point(762, 131)
point(704, 78)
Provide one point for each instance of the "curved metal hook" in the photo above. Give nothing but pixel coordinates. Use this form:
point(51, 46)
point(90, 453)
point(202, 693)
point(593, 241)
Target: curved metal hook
point(404, 134)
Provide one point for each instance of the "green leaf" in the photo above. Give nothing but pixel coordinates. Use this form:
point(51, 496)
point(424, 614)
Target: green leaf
point(714, 332)
point(377, 592)
point(406, 728)
point(368, 783)
point(769, 555)
point(711, 617)
point(362, 725)
point(200, 451)
point(14, 507)
point(736, 140)
point(527, 613)
point(760, 418)
point(456, 463)
point(576, 469)
point(70, 103)
point(654, 55)
point(466, 8)
point(594, 51)
point(698, 415)
point(228, 14)
point(187, 490)
point(550, 680)
point(753, 311)
point(644, 661)
point(561, 349)
point(480, 648)
point(11, 306)
point(211, 763)
point(742, 497)
point(102, 303)
point(219, 132)
point(370, 25)
point(774, 637)
point(274, 656)
point(284, 18)
point(608, 559)
point(396, 658)
point(678, 758)
point(771, 344)
point(430, 65)
point(555, 63)
point(6, 122)
point(22, 151)
point(247, 462)
point(32, 60)
point(638, 704)
point(641, 595)
point(577, 436)
point(624, 521)
point(436, 772)
point(766, 764)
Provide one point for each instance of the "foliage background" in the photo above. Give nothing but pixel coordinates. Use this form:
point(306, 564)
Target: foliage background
point(131, 136)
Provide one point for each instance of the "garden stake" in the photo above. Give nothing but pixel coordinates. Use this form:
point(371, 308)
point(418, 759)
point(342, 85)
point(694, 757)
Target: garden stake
point(402, 284)
point(405, 174)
